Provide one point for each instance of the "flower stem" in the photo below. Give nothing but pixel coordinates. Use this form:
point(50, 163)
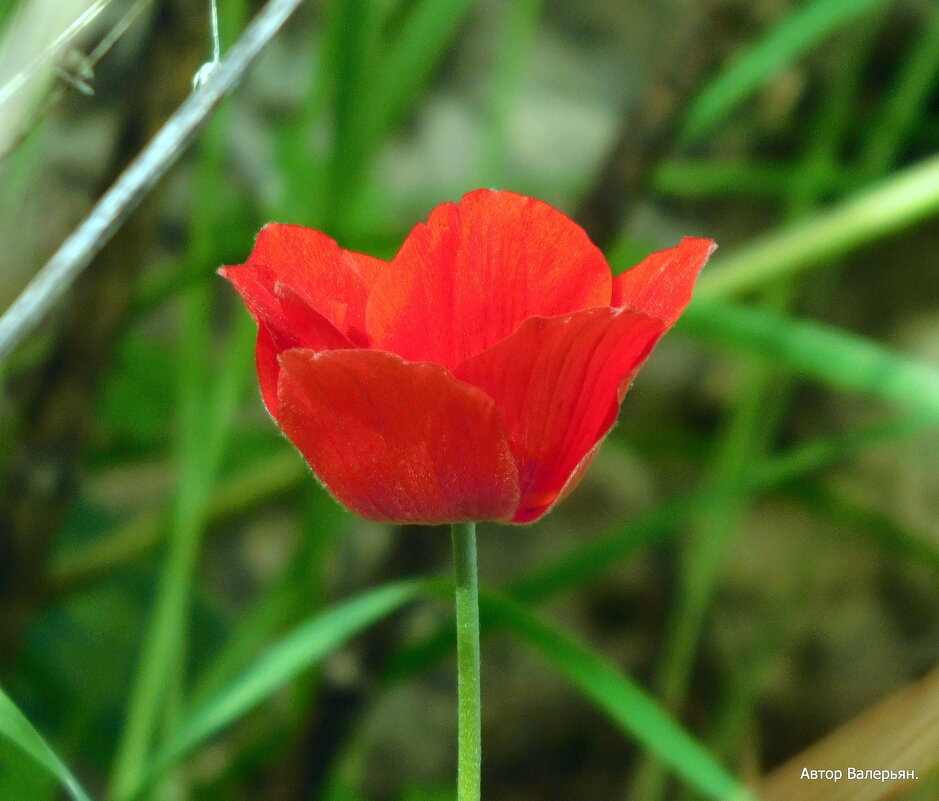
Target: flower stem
point(467, 657)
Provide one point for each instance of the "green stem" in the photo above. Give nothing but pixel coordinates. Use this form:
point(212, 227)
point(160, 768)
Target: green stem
point(467, 658)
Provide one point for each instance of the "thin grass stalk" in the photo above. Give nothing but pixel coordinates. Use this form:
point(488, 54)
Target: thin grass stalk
point(57, 276)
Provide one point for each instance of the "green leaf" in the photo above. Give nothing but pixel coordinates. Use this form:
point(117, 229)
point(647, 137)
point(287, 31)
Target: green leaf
point(630, 707)
point(288, 658)
point(837, 358)
point(15, 727)
point(771, 53)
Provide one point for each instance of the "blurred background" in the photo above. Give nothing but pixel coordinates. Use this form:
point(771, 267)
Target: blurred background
point(757, 544)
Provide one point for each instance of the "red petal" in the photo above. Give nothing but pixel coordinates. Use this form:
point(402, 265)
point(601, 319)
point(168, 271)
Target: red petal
point(266, 358)
point(556, 383)
point(395, 441)
point(308, 328)
point(476, 271)
point(285, 320)
point(334, 282)
point(304, 291)
point(660, 286)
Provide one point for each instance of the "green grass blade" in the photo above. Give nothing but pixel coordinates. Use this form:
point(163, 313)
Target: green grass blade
point(272, 477)
point(697, 178)
point(803, 29)
point(513, 46)
point(409, 61)
point(236, 494)
point(751, 423)
point(288, 598)
point(836, 358)
point(206, 404)
point(905, 198)
point(381, 73)
point(16, 728)
point(905, 102)
point(818, 454)
point(351, 48)
point(584, 562)
point(163, 644)
point(630, 707)
point(866, 519)
point(289, 657)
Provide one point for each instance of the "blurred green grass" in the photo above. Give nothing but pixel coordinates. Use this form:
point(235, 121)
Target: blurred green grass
point(179, 619)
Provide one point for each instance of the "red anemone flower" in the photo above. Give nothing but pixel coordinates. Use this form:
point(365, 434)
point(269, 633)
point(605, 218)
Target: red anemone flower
point(474, 375)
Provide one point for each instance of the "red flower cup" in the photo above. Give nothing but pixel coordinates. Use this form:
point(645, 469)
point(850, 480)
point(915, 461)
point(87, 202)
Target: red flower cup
point(474, 375)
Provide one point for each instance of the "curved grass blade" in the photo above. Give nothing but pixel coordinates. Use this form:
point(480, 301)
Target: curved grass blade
point(622, 700)
point(288, 658)
point(893, 204)
point(585, 561)
point(835, 357)
point(782, 45)
point(910, 96)
point(16, 728)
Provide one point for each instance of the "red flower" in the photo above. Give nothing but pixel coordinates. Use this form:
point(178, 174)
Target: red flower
point(474, 375)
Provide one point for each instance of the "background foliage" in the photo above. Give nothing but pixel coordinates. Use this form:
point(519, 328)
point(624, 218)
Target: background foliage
point(185, 614)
